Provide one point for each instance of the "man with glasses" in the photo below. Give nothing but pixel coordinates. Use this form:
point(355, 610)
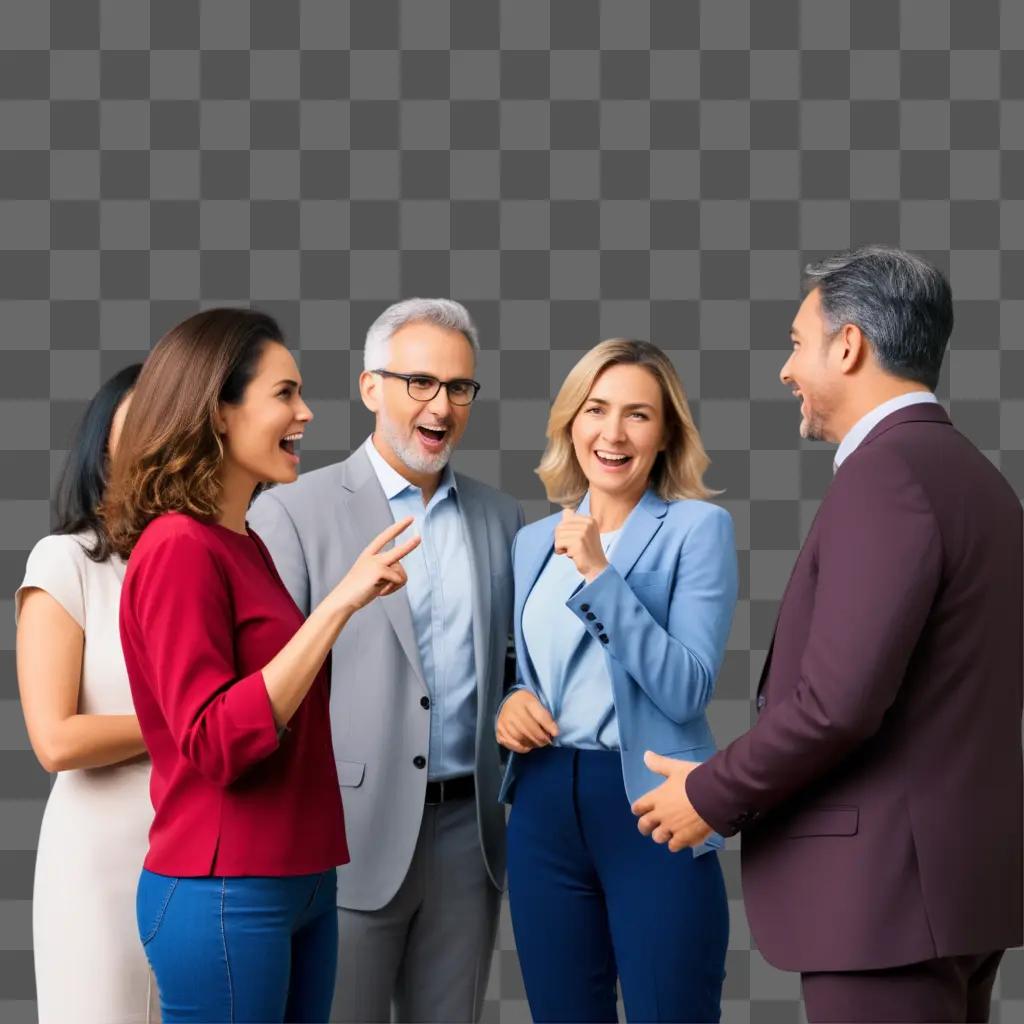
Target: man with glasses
point(417, 676)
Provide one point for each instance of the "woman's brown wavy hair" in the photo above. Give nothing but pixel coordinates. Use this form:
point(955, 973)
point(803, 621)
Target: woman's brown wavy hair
point(169, 455)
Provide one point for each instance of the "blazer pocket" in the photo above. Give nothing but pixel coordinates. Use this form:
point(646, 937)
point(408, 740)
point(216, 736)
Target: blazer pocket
point(824, 821)
point(643, 580)
point(350, 773)
point(699, 753)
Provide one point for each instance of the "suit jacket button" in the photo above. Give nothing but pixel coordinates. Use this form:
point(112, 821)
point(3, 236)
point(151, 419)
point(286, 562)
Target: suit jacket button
point(603, 638)
point(761, 701)
point(424, 702)
point(584, 607)
point(598, 626)
point(420, 761)
point(591, 616)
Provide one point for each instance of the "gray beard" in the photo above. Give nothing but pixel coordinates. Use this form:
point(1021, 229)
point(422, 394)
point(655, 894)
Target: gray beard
point(409, 454)
point(812, 429)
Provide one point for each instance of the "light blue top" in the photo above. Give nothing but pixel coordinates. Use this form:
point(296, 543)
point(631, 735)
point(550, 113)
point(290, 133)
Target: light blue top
point(572, 672)
point(870, 420)
point(440, 593)
point(664, 606)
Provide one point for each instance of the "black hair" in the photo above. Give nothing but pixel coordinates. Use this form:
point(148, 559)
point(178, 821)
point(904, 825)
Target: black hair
point(85, 473)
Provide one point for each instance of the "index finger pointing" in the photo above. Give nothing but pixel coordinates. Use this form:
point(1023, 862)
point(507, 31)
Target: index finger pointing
point(387, 535)
point(398, 553)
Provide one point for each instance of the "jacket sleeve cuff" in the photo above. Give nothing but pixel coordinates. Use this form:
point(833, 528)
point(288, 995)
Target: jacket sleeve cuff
point(700, 788)
point(514, 689)
point(588, 600)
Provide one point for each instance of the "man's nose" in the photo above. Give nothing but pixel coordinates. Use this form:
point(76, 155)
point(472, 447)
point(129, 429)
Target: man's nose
point(440, 405)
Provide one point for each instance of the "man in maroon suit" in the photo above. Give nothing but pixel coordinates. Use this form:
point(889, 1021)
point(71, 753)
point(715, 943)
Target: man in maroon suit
point(880, 790)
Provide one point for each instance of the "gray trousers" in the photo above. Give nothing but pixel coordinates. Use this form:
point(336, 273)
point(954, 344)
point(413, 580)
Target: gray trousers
point(427, 954)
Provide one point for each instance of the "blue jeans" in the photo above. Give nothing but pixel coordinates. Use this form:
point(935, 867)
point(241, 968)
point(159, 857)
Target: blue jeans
point(241, 949)
point(592, 899)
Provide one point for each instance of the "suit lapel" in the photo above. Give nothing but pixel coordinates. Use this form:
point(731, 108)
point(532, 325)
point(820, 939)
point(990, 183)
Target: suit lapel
point(533, 561)
point(804, 548)
point(923, 412)
point(475, 526)
point(369, 513)
point(639, 529)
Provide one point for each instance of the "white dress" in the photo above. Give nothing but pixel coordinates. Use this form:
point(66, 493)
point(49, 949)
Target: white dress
point(90, 964)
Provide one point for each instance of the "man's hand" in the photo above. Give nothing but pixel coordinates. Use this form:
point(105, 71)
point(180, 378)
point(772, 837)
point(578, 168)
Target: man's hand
point(524, 723)
point(665, 812)
point(578, 537)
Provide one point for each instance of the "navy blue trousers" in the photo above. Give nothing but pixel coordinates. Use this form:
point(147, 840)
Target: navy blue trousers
point(594, 900)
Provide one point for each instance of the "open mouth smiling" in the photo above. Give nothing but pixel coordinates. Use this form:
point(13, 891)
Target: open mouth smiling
point(612, 459)
point(290, 444)
point(434, 435)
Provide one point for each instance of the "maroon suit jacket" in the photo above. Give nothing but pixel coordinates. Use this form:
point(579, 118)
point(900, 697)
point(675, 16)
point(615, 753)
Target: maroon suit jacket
point(880, 791)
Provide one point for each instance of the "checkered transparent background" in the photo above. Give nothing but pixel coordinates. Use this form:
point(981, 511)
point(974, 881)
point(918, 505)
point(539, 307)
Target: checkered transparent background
point(570, 170)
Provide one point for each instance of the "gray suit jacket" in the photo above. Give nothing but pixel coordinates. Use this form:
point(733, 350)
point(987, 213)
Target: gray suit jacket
point(315, 529)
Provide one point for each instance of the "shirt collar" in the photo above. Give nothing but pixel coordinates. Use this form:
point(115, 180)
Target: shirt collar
point(870, 420)
point(393, 483)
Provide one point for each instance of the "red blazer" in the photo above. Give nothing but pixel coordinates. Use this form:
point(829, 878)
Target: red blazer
point(202, 611)
point(879, 791)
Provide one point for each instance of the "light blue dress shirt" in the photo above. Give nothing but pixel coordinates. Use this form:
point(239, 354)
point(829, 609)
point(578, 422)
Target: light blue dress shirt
point(440, 593)
point(870, 420)
point(571, 667)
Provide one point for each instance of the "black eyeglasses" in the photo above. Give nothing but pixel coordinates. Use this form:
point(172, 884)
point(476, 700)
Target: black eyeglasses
point(425, 388)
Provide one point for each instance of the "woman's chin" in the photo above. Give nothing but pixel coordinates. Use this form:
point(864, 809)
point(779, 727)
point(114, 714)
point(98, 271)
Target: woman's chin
point(612, 485)
point(282, 475)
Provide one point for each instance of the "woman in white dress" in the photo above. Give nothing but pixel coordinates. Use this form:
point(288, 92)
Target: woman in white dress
point(90, 966)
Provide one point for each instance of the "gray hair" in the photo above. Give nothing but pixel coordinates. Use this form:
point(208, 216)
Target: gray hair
point(903, 305)
point(440, 312)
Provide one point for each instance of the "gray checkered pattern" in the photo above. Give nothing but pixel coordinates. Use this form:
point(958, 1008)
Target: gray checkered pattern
point(571, 170)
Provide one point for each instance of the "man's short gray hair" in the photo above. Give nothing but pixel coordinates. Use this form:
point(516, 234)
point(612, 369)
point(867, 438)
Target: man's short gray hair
point(901, 302)
point(441, 312)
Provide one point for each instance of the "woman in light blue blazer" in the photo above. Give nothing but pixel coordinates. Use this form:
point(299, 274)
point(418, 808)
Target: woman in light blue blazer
point(623, 605)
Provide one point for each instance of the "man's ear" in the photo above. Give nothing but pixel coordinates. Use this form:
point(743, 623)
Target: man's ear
point(369, 390)
point(851, 348)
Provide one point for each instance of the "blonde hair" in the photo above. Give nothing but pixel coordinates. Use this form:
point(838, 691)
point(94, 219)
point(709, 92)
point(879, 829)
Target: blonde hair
point(678, 471)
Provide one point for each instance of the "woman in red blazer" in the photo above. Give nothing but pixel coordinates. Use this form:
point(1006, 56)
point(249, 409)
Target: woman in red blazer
point(235, 904)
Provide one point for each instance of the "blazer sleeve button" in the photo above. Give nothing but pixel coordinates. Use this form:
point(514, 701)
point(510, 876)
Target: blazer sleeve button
point(420, 761)
point(584, 607)
point(603, 638)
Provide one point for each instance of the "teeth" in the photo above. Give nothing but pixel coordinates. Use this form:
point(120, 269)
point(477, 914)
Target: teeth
point(612, 458)
point(293, 437)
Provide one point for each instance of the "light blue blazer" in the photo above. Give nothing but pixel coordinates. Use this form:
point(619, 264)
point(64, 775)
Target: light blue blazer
point(662, 610)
